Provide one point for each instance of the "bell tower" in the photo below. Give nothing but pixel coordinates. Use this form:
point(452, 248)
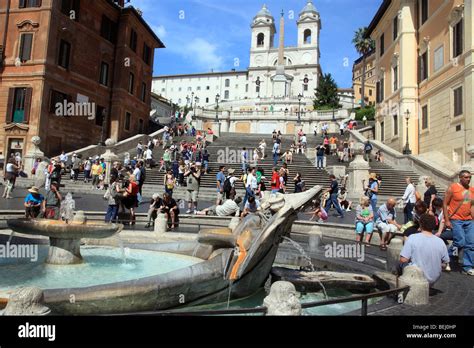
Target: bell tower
point(309, 26)
point(263, 30)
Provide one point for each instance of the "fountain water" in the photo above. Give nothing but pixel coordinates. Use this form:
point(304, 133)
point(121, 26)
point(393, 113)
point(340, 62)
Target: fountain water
point(303, 253)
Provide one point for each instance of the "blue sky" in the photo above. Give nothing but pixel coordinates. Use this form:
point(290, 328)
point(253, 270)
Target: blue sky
point(201, 35)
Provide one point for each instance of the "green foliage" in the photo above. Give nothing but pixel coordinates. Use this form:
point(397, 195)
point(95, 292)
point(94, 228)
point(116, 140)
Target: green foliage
point(368, 111)
point(326, 94)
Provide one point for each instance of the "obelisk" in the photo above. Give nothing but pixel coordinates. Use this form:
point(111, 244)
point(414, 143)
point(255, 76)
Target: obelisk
point(280, 80)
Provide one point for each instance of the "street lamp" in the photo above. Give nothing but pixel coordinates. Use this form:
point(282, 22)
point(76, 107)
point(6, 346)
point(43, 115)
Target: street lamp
point(196, 100)
point(300, 96)
point(406, 150)
point(217, 107)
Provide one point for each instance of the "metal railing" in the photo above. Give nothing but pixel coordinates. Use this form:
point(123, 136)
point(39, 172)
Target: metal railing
point(263, 310)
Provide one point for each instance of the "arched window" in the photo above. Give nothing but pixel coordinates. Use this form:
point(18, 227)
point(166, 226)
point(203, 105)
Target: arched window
point(260, 40)
point(226, 95)
point(227, 82)
point(307, 36)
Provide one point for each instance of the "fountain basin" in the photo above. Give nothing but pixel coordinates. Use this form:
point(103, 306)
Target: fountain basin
point(64, 238)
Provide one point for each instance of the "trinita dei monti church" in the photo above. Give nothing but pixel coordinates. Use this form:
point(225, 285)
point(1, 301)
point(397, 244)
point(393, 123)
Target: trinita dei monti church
point(279, 81)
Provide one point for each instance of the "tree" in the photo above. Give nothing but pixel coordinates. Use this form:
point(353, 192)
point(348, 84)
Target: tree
point(364, 45)
point(326, 94)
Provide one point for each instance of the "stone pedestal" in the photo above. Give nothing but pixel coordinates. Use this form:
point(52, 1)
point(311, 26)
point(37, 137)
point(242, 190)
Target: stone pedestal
point(315, 240)
point(26, 302)
point(216, 128)
point(109, 158)
point(337, 171)
point(30, 157)
point(358, 172)
point(161, 224)
point(64, 251)
point(469, 165)
point(419, 287)
point(393, 254)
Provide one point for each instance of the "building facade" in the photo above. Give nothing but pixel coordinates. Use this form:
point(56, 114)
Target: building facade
point(370, 79)
point(425, 75)
point(73, 73)
point(252, 88)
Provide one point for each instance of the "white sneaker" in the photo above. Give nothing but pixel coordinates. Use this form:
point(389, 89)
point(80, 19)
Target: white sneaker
point(470, 272)
point(448, 268)
point(188, 212)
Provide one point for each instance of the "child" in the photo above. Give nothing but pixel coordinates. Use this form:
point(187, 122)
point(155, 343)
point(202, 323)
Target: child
point(162, 165)
point(318, 212)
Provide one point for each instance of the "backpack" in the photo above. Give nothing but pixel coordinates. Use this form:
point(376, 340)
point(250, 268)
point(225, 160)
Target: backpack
point(369, 147)
point(227, 185)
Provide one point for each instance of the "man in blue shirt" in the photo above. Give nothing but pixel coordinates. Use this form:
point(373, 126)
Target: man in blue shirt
point(333, 192)
point(34, 203)
point(220, 180)
point(385, 220)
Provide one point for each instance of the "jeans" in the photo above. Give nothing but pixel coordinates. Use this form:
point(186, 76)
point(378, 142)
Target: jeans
point(275, 159)
point(333, 201)
point(248, 193)
point(319, 161)
point(463, 238)
point(206, 165)
point(373, 203)
point(408, 212)
point(244, 167)
point(112, 212)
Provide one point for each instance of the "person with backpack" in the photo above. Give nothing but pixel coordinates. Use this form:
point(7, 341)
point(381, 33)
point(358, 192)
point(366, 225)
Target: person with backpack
point(193, 180)
point(458, 211)
point(229, 185)
point(368, 150)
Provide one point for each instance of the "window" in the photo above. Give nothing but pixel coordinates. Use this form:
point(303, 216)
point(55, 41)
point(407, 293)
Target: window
point(99, 116)
point(208, 88)
point(360, 90)
point(227, 82)
point(163, 90)
point(370, 92)
point(143, 92)
point(423, 62)
point(395, 28)
point(128, 119)
point(395, 78)
point(140, 126)
point(458, 109)
point(382, 131)
point(58, 98)
point(260, 40)
point(179, 89)
point(108, 29)
point(380, 91)
point(190, 89)
point(104, 74)
point(198, 88)
point(29, 3)
point(146, 54)
point(207, 100)
point(458, 39)
point(424, 11)
point(382, 45)
point(438, 58)
point(307, 36)
point(305, 87)
point(131, 83)
point(424, 117)
point(395, 125)
point(19, 103)
point(226, 95)
point(64, 54)
point(133, 40)
point(26, 42)
point(247, 88)
point(71, 8)
point(257, 89)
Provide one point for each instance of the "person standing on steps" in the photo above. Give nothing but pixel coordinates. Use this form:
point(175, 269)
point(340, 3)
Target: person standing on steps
point(372, 191)
point(458, 211)
point(333, 194)
point(320, 152)
point(409, 198)
point(220, 180)
point(193, 179)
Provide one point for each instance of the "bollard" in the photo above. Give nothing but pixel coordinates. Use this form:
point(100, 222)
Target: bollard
point(315, 240)
point(393, 254)
point(161, 224)
point(419, 292)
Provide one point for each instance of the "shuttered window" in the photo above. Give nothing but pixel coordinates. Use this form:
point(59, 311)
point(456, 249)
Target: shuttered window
point(26, 43)
point(19, 105)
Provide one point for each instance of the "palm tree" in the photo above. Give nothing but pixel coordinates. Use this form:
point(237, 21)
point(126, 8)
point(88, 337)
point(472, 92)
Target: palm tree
point(364, 45)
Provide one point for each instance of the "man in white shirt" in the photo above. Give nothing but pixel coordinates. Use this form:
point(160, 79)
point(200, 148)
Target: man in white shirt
point(409, 199)
point(63, 157)
point(304, 142)
point(229, 208)
point(148, 157)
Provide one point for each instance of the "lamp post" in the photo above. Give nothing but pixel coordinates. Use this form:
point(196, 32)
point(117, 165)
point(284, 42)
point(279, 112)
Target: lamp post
point(406, 150)
point(300, 96)
point(196, 100)
point(217, 107)
point(258, 82)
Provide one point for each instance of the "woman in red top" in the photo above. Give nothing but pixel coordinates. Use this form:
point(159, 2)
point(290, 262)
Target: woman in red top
point(275, 181)
point(130, 200)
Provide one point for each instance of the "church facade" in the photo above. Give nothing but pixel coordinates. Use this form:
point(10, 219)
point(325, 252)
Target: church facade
point(277, 76)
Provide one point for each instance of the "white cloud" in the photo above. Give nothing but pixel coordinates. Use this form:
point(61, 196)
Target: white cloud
point(160, 31)
point(203, 54)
